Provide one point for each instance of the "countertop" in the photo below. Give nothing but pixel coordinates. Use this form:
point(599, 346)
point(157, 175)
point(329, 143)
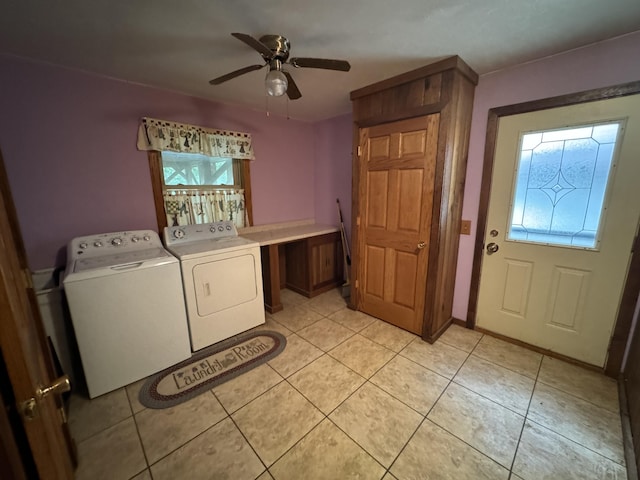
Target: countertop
point(285, 232)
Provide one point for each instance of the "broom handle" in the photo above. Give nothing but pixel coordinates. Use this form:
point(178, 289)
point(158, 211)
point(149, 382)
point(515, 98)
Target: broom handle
point(345, 246)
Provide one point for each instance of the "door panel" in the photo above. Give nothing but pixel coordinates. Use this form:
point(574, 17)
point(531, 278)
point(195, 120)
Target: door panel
point(561, 298)
point(397, 179)
point(516, 286)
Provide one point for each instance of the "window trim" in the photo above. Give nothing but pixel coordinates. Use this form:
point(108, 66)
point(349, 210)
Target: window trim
point(157, 185)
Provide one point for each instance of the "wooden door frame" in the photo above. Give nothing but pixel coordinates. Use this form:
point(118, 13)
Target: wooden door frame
point(631, 289)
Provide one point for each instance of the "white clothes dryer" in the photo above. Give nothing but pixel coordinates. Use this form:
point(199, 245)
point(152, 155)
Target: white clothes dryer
point(124, 292)
point(222, 279)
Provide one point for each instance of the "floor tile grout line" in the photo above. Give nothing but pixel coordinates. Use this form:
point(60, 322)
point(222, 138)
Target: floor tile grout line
point(577, 443)
point(102, 430)
point(526, 416)
point(523, 415)
point(294, 445)
point(559, 433)
point(149, 465)
point(578, 397)
point(358, 444)
point(426, 418)
point(266, 469)
point(366, 380)
point(503, 366)
point(228, 415)
point(421, 423)
point(144, 450)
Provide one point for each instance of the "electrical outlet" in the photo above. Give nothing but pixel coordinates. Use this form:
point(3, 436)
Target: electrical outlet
point(465, 227)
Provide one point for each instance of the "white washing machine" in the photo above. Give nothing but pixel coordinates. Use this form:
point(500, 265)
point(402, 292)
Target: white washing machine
point(124, 292)
point(222, 277)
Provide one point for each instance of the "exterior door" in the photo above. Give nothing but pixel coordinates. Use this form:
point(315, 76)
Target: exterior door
point(24, 350)
point(397, 165)
point(563, 212)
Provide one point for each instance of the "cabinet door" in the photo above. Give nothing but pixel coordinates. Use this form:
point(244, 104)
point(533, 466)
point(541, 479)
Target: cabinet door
point(323, 264)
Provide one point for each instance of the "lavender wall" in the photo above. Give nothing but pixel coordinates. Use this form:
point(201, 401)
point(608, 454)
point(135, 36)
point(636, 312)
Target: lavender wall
point(332, 170)
point(604, 64)
point(68, 141)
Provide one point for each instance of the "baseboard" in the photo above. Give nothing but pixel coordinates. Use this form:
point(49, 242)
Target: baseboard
point(457, 321)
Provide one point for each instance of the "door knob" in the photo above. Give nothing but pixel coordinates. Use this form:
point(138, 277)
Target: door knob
point(59, 385)
point(492, 248)
point(29, 408)
point(421, 245)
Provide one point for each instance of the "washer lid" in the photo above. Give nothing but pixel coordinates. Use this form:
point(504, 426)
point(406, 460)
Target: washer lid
point(210, 247)
point(122, 258)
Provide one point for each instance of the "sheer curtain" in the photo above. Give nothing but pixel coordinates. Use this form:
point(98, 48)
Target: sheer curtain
point(185, 207)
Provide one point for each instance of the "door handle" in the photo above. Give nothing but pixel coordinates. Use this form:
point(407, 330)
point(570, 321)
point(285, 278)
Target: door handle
point(29, 408)
point(421, 245)
point(59, 385)
point(492, 248)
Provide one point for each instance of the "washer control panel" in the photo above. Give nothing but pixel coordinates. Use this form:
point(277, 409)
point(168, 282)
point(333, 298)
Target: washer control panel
point(110, 243)
point(197, 233)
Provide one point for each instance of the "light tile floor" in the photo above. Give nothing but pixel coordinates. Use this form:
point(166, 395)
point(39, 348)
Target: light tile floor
point(354, 397)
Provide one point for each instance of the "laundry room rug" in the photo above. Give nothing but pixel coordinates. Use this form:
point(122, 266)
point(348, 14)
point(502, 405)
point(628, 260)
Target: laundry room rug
point(210, 367)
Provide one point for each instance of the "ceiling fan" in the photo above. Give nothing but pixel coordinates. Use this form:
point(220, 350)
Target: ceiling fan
point(275, 52)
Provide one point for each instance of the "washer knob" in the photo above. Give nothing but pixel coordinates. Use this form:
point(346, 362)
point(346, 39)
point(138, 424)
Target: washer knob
point(116, 241)
point(146, 238)
point(97, 243)
point(212, 229)
point(83, 245)
point(221, 228)
point(179, 233)
point(229, 227)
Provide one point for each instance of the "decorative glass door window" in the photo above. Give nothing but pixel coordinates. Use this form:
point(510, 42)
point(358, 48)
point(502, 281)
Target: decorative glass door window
point(561, 185)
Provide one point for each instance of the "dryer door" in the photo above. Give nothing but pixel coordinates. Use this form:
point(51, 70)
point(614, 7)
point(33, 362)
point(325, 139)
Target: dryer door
point(224, 283)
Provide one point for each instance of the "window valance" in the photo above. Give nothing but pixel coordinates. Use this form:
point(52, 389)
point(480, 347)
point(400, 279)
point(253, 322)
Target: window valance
point(154, 134)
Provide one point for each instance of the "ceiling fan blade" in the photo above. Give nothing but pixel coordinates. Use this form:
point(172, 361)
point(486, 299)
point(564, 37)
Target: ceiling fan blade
point(292, 89)
point(237, 73)
point(257, 45)
point(329, 64)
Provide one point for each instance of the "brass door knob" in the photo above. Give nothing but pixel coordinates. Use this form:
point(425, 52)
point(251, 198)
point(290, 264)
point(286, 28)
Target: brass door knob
point(59, 385)
point(421, 245)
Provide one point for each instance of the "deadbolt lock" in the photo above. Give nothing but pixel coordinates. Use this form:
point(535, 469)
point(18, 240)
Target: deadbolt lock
point(29, 408)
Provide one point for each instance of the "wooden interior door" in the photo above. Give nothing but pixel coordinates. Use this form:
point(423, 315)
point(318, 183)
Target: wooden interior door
point(397, 165)
point(24, 350)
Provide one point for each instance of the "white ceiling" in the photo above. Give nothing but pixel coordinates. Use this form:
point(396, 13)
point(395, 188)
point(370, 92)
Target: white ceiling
point(181, 45)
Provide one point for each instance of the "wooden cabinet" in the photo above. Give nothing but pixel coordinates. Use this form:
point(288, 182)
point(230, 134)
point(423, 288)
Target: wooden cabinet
point(314, 265)
point(411, 136)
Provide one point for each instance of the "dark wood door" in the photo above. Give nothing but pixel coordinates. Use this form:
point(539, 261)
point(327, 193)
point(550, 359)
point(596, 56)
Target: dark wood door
point(397, 168)
point(24, 349)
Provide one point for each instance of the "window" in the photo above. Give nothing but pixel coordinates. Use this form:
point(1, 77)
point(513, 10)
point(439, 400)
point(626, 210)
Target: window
point(561, 184)
point(195, 188)
point(195, 170)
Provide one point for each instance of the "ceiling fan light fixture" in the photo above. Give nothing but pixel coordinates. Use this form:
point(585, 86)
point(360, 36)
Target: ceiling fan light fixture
point(276, 82)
